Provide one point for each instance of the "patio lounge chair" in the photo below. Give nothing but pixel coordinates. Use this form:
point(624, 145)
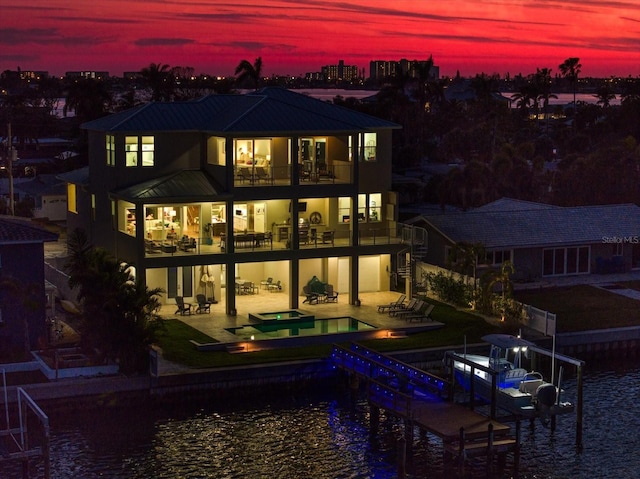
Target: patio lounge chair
point(311, 297)
point(403, 308)
point(394, 304)
point(204, 306)
point(183, 308)
point(405, 313)
point(423, 315)
point(331, 296)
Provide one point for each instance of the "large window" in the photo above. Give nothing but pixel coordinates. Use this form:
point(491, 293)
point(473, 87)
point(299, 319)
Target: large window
point(367, 143)
point(252, 153)
point(111, 150)
point(563, 261)
point(131, 150)
point(344, 209)
point(139, 151)
point(148, 153)
point(369, 147)
point(127, 217)
point(496, 258)
point(369, 208)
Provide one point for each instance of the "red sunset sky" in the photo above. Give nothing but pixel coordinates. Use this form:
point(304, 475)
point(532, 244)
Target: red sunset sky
point(294, 37)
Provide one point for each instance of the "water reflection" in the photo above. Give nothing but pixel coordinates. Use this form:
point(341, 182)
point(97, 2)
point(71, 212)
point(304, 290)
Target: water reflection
point(325, 435)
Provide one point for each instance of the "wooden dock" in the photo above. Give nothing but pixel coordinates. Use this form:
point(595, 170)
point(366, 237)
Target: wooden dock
point(421, 400)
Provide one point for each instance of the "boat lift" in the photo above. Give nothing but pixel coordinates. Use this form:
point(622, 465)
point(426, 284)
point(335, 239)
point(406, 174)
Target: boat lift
point(14, 441)
point(451, 356)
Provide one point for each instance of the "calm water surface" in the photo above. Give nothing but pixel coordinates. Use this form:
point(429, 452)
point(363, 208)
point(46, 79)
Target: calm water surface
point(325, 435)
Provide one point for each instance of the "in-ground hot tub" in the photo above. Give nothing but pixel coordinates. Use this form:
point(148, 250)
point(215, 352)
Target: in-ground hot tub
point(287, 315)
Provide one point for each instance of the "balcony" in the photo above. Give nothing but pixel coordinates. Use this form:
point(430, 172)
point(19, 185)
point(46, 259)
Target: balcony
point(256, 176)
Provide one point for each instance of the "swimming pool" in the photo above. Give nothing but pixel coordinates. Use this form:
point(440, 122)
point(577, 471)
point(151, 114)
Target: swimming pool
point(300, 327)
point(288, 315)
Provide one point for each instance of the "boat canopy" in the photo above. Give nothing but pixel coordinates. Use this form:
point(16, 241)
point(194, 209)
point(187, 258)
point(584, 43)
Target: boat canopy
point(506, 341)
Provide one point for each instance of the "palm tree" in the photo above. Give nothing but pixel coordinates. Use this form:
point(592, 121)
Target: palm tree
point(543, 82)
point(249, 73)
point(119, 313)
point(570, 69)
point(88, 98)
point(605, 95)
point(159, 78)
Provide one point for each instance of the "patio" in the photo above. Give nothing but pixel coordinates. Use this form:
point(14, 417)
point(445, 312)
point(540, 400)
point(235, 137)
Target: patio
point(215, 323)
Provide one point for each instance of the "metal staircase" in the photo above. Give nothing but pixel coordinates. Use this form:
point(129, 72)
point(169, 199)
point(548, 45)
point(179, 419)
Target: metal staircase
point(415, 239)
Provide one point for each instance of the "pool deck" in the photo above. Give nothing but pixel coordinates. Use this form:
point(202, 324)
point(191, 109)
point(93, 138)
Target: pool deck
point(216, 323)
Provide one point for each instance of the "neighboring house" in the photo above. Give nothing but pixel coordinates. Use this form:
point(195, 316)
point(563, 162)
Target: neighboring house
point(22, 284)
point(229, 190)
point(49, 194)
point(541, 240)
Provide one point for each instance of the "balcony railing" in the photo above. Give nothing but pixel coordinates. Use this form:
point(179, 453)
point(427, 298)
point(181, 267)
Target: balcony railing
point(255, 242)
point(255, 176)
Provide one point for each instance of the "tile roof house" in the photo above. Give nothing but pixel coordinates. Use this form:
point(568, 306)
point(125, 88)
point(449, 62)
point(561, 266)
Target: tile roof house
point(206, 195)
point(22, 284)
point(541, 240)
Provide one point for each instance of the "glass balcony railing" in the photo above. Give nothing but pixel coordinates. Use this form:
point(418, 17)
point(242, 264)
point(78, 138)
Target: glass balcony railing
point(281, 175)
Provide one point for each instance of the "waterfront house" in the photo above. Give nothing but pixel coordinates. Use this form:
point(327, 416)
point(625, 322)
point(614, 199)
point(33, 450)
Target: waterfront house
point(23, 302)
point(540, 240)
point(234, 194)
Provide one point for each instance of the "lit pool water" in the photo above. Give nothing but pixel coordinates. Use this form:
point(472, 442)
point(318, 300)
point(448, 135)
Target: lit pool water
point(300, 327)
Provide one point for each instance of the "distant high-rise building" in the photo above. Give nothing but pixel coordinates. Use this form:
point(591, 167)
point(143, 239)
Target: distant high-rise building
point(339, 72)
point(383, 69)
point(88, 74)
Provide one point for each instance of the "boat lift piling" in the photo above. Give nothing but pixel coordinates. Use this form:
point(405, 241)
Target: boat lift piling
point(555, 357)
point(15, 442)
point(579, 364)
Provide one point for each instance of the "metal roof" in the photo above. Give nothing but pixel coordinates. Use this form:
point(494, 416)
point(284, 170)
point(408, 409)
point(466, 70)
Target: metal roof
point(20, 231)
point(181, 186)
point(267, 111)
point(540, 227)
point(43, 185)
point(77, 177)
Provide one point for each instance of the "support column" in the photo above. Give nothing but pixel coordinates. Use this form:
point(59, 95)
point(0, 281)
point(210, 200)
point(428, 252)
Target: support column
point(294, 283)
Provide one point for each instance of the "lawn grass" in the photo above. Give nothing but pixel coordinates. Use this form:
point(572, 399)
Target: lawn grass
point(176, 346)
point(457, 326)
point(584, 307)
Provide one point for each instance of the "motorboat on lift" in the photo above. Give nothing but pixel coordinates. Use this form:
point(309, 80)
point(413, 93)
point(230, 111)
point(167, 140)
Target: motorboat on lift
point(520, 391)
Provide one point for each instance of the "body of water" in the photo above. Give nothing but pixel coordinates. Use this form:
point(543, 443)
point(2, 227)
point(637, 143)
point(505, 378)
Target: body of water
point(325, 435)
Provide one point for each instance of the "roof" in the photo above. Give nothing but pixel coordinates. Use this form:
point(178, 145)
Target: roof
point(22, 231)
point(186, 185)
point(43, 185)
point(266, 111)
point(540, 226)
point(77, 177)
point(510, 204)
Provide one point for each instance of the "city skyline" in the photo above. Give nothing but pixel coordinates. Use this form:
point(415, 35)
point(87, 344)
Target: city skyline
point(293, 39)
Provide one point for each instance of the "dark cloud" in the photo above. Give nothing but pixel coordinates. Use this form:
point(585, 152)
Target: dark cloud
point(109, 21)
point(21, 36)
point(47, 36)
point(157, 42)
